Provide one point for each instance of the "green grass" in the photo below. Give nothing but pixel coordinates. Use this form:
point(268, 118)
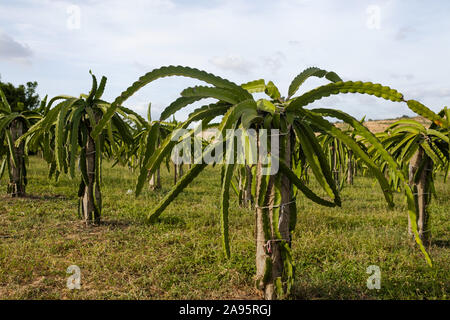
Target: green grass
point(181, 257)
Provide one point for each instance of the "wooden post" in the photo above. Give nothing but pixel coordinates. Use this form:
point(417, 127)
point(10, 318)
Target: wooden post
point(91, 199)
point(269, 257)
point(16, 187)
point(350, 168)
point(421, 190)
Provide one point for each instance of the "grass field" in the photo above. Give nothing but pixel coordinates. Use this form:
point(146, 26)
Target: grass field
point(181, 257)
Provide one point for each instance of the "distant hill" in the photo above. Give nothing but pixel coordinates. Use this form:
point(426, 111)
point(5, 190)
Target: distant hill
point(380, 125)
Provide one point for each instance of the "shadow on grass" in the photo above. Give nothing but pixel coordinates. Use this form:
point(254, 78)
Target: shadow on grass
point(441, 243)
point(47, 197)
point(115, 224)
point(36, 197)
point(171, 221)
point(339, 223)
point(302, 291)
point(79, 228)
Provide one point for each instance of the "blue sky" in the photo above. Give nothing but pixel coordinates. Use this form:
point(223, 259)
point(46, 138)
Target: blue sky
point(403, 44)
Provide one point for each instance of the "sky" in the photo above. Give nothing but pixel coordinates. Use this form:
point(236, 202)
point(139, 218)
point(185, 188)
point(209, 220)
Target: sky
point(399, 43)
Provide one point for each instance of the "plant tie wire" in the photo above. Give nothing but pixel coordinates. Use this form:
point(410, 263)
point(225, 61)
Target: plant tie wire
point(268, 247)
point(276, 206)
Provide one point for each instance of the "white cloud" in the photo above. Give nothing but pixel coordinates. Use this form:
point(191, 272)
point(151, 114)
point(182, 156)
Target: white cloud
point(13, 50)
point(233, 63)
point(407, 76)
point(275, 61)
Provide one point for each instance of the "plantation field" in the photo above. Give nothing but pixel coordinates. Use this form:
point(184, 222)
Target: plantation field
point(181, 257)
